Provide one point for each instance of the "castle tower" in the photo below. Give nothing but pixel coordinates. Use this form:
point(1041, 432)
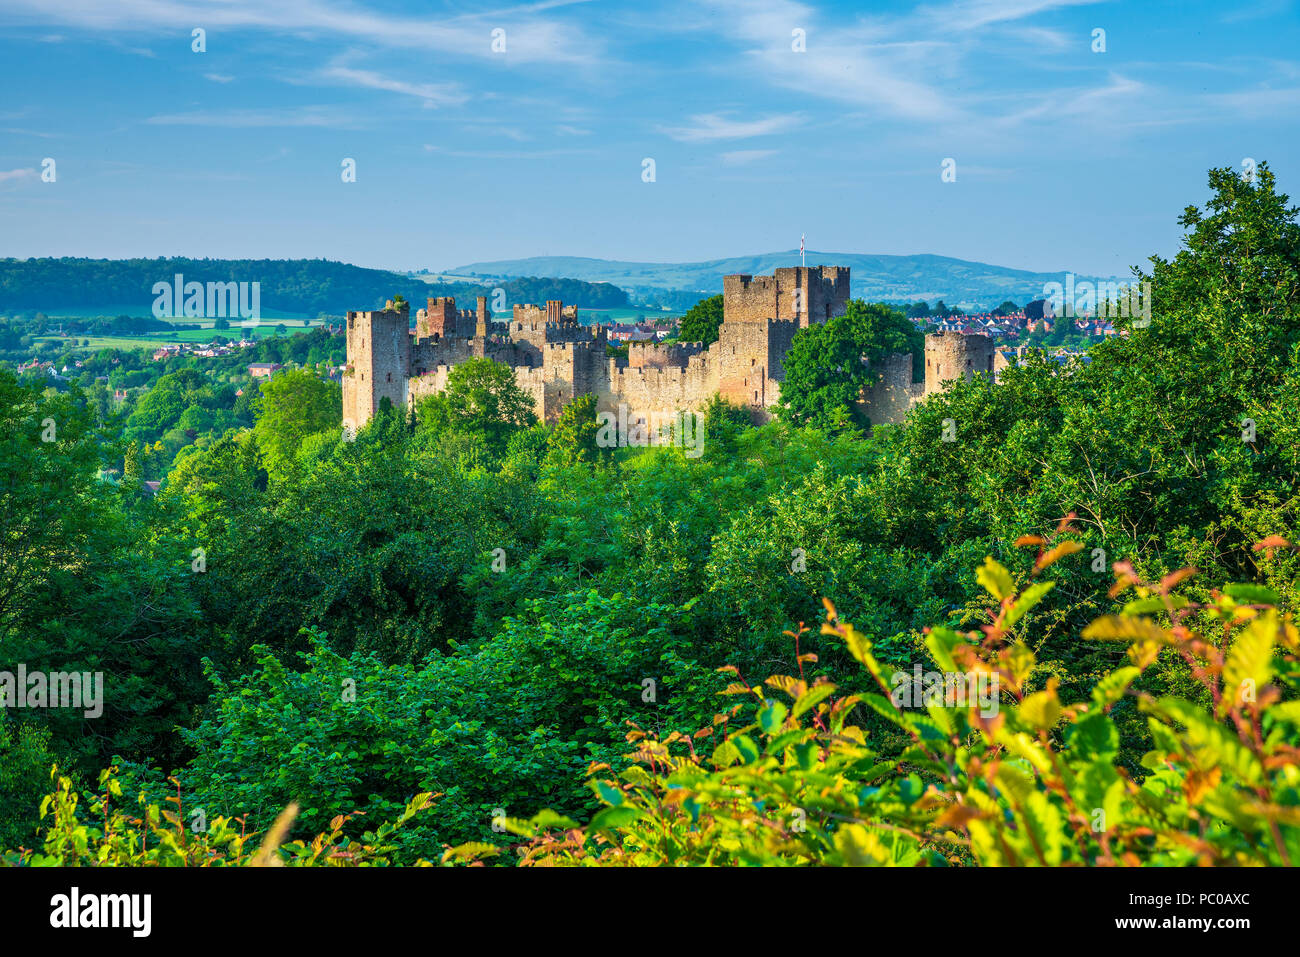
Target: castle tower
point(379, 360)
point(951, 355)
point(813, 294)
point(761, 315)
point(439, 319)
point(483, 318)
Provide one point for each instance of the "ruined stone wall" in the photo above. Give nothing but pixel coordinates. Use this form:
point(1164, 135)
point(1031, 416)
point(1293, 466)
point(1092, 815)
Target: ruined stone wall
point(439, 318)
point(951, 355)
point(780, 336)
point(379, 357)
point(429, 382)
point(561, 377)
point(890, 398)
point(741, 356)
point(812, 294)
point(657, 390)
point(752, 299)
point(652, 355)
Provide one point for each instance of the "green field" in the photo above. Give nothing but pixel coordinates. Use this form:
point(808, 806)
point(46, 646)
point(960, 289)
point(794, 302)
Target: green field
point(155, 339)
point(142, 310)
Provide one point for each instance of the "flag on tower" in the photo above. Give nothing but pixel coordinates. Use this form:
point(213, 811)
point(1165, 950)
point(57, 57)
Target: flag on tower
point(801, 239)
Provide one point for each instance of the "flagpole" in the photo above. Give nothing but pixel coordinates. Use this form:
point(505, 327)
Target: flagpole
point(802, 259)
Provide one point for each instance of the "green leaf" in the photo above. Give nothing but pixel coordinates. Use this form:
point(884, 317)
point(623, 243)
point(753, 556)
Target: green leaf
point(745, 745)
point(1030, 597)
point(607, 792)
point(1112, 687)
point(1247, 594)
point(1250, 660)
point(772, 718)
point(812, 697)
point(612, 818)
point(995, 579)
point(1045, 830)
point(1155, 604)
point(1207, 743)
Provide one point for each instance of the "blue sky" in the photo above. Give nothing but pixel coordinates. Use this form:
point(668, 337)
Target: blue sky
point(1065, 158)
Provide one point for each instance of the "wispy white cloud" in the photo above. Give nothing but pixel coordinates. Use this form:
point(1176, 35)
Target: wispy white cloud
point(707, 127)
point(433, 94)
point(964, 15)
point(1101, 105)
point(16, 174)
point(530, 36)
point(1243, 12)
point(1266, 103)
point(305, 116)
point(502, 154)
point(1042, 37)
point(868, 63)
point(218, 77)
point(743, 157)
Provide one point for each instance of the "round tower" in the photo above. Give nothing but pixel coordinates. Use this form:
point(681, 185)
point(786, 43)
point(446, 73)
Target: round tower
point(951, 355)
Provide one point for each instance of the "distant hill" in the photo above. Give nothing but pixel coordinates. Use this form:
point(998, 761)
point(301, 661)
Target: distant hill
point(896, 278)
point(288, 286)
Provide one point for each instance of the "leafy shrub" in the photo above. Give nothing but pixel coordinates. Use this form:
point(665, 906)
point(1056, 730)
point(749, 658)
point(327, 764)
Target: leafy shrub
point(795, 781)
point(110, 837)
point(495, 730)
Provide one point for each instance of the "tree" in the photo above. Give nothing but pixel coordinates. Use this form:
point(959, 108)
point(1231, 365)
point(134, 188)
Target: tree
point(131, 468)
point(701, 321)
point(573, 439)
point(290, 407)
point(830, 363)
point(48, 457)
point(482, 401)
point(1006, 309)
point(164, 404)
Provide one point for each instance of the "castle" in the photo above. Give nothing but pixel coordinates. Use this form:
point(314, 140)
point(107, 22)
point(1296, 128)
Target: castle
point(555, 358)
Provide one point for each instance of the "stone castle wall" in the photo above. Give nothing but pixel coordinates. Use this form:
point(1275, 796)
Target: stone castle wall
point(379, 362)
point(951, 355)
point(894, 393)
point(657, 389)
point(555, 358)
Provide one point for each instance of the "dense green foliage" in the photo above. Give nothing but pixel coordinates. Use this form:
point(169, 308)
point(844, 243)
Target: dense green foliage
point(794, 781)
point(830, 363)
point(474, 603)
point(481, 406)
point(105, 835)
point(700, 323)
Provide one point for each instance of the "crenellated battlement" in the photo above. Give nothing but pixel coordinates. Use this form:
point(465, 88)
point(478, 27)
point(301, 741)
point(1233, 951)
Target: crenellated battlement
point(555, 358)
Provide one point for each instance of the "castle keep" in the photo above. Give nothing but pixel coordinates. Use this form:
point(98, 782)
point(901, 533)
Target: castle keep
point(554, 357)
